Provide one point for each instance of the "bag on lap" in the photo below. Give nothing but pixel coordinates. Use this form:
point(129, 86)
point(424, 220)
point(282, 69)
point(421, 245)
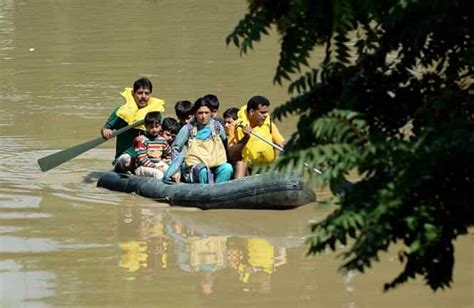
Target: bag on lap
point(210, 152)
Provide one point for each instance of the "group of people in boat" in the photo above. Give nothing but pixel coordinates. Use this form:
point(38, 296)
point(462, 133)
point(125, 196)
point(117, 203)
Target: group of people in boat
point(198, 146)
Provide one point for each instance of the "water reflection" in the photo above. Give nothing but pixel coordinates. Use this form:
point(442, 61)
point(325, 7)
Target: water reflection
point(203, 254)
point(142, 239)
point(257, 263)
point(81, 246)
point(19, 201)
point(26, 288)
point(154, 240)
point(15, 244)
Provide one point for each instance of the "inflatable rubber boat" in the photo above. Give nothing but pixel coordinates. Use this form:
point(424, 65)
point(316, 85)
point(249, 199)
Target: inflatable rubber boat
point(262, 191)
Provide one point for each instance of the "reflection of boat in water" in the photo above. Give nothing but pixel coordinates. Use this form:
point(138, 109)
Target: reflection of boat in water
point(246, 246)
point(266, 191)
point(143, 240)
point(283, 229)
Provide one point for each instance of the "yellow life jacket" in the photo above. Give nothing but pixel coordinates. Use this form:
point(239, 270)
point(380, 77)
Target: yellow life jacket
point(261, 254)
point(135, 255)
point(130, 113)
point(256, 151)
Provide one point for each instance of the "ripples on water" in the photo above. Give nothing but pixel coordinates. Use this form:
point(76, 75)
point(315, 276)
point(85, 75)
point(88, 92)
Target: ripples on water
point(65, 242)
point(71, 217)
point(25, 288)
point(30, 229)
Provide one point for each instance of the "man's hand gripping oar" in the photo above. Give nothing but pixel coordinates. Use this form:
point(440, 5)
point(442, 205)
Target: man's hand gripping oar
point(248, 130)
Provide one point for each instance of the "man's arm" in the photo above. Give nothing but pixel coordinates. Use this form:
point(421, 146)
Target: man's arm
point(113, 122)
point(235, 146)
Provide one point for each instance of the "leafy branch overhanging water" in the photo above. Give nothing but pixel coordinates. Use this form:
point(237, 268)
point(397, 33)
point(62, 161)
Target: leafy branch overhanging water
point(392, 100)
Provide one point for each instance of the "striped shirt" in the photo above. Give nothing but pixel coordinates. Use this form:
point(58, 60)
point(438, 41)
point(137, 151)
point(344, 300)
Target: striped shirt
point(151, 150)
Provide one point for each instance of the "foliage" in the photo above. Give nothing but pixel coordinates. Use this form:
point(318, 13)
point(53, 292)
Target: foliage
point(392, 100)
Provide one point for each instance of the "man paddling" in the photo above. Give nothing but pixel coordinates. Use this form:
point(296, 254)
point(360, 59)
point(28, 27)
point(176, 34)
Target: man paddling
point(138, 102)
point(245, 150)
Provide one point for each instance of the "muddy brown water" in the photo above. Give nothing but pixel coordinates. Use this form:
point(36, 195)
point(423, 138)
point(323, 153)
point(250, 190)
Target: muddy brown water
point(64, 242)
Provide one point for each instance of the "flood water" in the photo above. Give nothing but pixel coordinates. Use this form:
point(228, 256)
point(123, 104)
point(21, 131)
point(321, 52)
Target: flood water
point(64, 242)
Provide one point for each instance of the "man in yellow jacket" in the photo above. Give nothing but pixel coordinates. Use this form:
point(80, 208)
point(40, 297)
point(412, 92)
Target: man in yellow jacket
point(138, 102)
point(246, 150)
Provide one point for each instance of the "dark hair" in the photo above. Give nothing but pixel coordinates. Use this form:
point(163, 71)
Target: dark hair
point(144, 83)
point(170, 124)
point(201, 102)
point(257, 100)
point(231, 113)
point(213, 100)
point(183, 109)
point(153, 117)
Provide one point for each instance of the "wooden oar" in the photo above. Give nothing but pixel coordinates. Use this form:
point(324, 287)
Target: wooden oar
point(277, 147)
point(52, 161)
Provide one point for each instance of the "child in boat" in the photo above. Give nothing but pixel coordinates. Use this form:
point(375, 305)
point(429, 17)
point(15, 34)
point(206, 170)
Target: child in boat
point(230, 115)
point(169, 128)
point(153, 150)
point(214, 103)
point(184, 112)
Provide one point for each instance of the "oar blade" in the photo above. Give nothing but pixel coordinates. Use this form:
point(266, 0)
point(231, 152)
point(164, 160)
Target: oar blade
point(51, 161)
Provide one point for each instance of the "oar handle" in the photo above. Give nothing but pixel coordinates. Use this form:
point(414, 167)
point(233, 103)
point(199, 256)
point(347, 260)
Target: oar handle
point(274, 145)
point(124, 129)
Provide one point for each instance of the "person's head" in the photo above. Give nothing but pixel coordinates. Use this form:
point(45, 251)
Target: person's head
point(230, 115)
point(206, 283)
point(202, 110)
point(258, 110)
point(142, 89)
point(153, 123)
point(214, 101)
point(184, 111)
point(169, 128)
